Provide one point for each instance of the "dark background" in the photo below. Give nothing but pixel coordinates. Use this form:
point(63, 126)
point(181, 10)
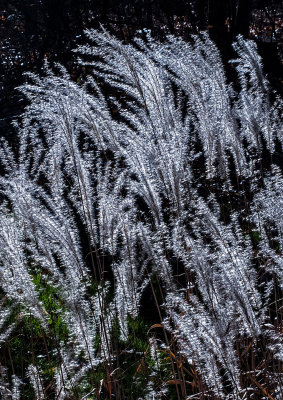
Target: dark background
point(32, 30)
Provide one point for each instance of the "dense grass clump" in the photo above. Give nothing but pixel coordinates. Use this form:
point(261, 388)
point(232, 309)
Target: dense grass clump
point(141, 228)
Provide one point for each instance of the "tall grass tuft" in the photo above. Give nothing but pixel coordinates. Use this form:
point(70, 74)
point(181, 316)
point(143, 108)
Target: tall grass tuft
point(141, 228)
